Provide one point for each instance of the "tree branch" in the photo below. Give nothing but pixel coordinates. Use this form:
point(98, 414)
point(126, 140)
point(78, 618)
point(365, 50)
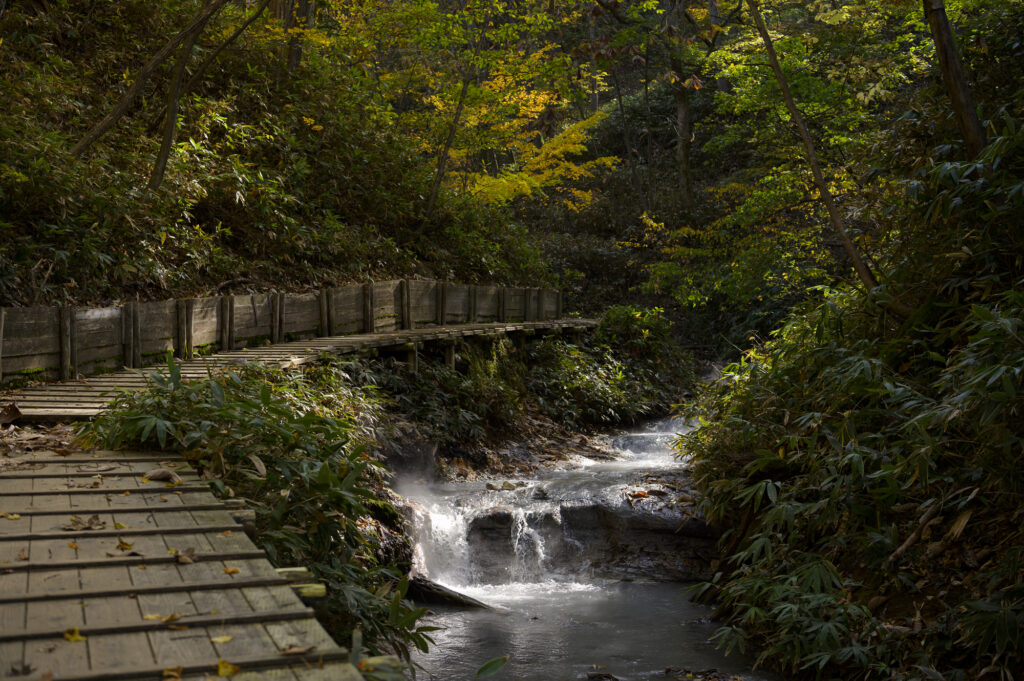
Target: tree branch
point(111, 119)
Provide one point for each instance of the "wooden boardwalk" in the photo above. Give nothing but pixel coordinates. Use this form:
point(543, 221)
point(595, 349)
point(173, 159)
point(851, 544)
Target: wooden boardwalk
point(107, 575)
point(82, 399)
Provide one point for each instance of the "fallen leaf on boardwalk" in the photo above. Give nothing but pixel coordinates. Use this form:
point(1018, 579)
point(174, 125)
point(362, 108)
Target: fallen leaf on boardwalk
point(12, 516)
point(231, 571)
point(123, 545)
point(187, 556)
point(9, 414)
point(153, 617)
point(161, 474)
point(95, 468)
point(227, 533)
point(172, 674)
point(173, 617)
point(294, 649)
point(73, 635)
point(77, 524)
point(122, 554)
point(221, 639)
point(226, 669)
point(125, 493)
point(46, 676)
point(119, 526)
point(163, 498)
point(22, 555)
point(72, 545)
point(177, 627)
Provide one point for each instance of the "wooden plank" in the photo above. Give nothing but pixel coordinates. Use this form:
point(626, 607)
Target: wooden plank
point(422, 302)
point(205, 326)
point(156, 329)
point(301, 315)
point(253, 317)
point(115, 587)
point(347, 309)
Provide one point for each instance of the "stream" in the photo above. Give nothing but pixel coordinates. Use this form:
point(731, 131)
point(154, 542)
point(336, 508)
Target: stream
point(576, 564)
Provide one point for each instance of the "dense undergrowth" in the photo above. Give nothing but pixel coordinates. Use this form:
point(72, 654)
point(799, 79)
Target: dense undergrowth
point(867, 468)
point(306, 447)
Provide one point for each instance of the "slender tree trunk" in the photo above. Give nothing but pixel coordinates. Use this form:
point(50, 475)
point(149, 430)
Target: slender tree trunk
point(953, 77)
point(108, 122)
point(714, 18)
point(627, 140)
point(174, 91)
point(683, 137)
point(442, 155)
point(859, 265)
point(305, 12)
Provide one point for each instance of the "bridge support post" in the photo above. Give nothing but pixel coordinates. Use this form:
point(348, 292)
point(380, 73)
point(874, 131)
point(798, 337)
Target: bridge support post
point(449, 355)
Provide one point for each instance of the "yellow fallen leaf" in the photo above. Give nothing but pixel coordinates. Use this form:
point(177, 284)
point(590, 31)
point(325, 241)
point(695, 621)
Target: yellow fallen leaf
point(177, 627)
point(174, 616)
point(12, 516)
point(123, 545)
point(153, 617)
point(73, 635)
point(72, 544)
point(226, 669)
point(231, 571)
point(120, 526)
point(125, 493)
point(221, 639)
point(172, 674)
point(145, 480)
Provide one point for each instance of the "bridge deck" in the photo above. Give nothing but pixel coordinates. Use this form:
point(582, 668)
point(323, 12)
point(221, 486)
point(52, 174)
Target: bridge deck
point(82, 399)
point(107, 575)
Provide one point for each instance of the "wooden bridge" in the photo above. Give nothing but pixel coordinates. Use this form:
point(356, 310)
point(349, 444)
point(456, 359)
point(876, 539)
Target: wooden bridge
point(123, 565)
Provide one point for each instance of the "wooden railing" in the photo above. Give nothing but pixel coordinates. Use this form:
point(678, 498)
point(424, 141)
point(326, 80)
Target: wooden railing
point(63, 342)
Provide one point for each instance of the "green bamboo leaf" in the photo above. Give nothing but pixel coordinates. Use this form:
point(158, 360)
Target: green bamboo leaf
point(491, 667)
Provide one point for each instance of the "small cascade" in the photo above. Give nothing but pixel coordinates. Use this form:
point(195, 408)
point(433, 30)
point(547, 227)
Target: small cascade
point(578, 561)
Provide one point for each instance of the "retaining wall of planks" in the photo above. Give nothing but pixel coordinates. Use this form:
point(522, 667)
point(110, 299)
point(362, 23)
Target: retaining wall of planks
point(63, 342)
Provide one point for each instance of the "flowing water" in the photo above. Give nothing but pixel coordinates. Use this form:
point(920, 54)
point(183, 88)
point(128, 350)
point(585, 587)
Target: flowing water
point(561, 609)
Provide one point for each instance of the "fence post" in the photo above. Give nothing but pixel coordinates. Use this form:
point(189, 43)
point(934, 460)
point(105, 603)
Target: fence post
point(558, 304)
point(325, 312)
point(64, 332)
point(136, 335)
point(3, 319)
point(368, 320)
point(406, 290)
point(227, 322)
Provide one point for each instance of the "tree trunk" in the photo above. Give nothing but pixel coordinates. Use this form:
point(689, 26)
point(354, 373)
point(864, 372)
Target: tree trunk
point(684, 135)
point(174, 91)
point(108, 122)
point(305, 13)
point(201, 69)
point(442, 155)
point(859, 265)
point(953, 77)
point(714, 18)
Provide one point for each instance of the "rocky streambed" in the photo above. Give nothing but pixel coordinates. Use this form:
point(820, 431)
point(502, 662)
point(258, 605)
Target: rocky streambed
point(585, 563)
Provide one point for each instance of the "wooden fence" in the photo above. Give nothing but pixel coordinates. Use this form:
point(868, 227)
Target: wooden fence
point(63, 342)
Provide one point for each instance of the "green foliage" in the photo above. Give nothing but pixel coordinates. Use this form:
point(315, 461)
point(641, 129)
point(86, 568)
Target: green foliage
point(632, 368)
point(294, 446)
point(865, 469)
